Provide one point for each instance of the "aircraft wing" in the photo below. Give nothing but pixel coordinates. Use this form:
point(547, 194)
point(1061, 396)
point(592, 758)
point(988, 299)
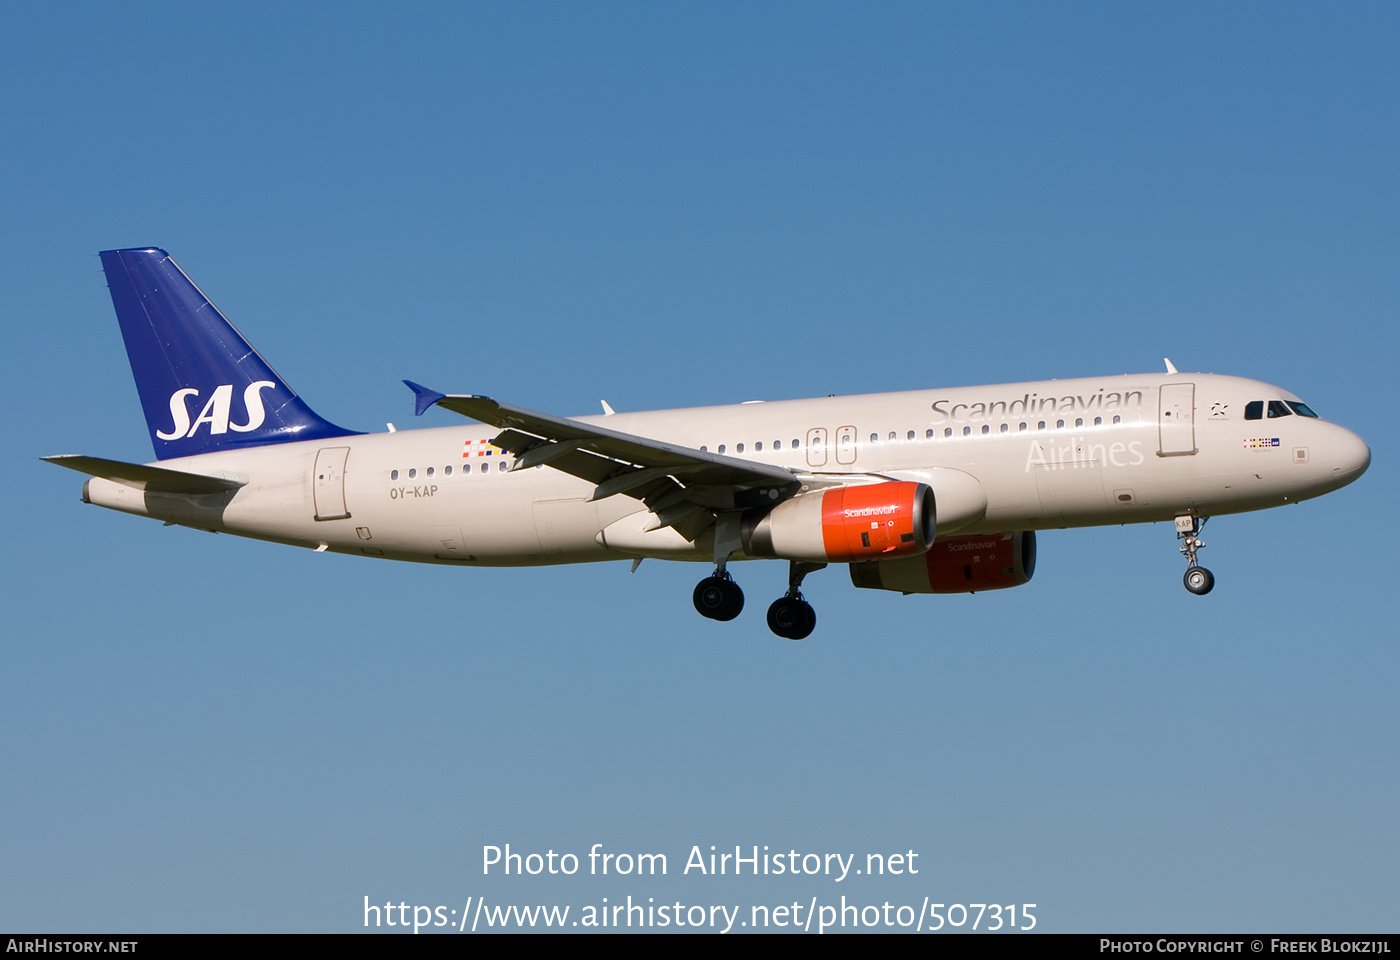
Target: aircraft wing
point(676, 482)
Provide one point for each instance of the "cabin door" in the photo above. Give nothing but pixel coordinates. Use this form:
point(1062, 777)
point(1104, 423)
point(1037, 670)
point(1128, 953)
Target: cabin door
point(1175, 420)
point(328, 483)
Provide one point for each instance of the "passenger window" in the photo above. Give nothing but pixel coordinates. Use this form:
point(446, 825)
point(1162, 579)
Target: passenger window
point(466, 468)
point(1059, 424)
point(911, 434)
point(928, 434)
point(1117, 419)
point(947, 431)
point(739, 448)
point(412, 472)
point(967, 431)
point(1277, 408)
point(430, 471)
point(1254, 410)
point(758, 447)
point(1098, 421)
point(874, 438)
point(447, 470)
point(393, 474)
point(1023, 426)
point(986, 429)
point(1005, 427)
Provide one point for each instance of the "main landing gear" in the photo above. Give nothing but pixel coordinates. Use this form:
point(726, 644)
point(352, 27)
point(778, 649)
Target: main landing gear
point(790, 616)
point(1198, 580)
point(718, 597)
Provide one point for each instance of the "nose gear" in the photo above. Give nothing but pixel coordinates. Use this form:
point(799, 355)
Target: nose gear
point(1198, 580)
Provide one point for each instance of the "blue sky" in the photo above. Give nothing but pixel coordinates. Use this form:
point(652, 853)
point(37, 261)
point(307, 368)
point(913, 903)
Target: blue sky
point(674, 205)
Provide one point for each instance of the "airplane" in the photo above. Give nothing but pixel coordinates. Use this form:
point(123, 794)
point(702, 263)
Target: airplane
point(925, 491)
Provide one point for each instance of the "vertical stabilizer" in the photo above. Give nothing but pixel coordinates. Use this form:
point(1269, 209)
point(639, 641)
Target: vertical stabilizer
point(203, 387)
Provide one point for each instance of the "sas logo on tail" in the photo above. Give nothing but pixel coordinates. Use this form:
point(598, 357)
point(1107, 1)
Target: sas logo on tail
point(216, 410)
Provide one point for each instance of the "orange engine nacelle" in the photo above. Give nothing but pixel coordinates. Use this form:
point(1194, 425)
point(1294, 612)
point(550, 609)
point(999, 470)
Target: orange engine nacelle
point(957, 565)
point(844, 524)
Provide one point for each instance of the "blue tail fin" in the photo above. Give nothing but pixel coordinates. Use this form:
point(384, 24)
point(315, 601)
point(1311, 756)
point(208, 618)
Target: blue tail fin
point(202, 386)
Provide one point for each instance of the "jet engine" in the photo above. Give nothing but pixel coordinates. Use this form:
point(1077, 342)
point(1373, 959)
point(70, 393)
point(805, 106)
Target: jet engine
point(848, 523)
point(956, 565)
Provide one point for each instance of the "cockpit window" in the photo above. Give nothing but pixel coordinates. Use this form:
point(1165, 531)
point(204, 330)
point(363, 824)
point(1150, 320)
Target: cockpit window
point(1254, 410)
point(1301, 409)
point(1277, 408)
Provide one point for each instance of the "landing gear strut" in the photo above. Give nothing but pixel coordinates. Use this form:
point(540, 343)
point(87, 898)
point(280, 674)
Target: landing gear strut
point(1198, 579)
point(790, 616)
point(718, 597)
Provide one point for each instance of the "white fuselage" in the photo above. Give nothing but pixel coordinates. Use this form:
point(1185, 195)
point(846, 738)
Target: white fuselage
point(1002, 458)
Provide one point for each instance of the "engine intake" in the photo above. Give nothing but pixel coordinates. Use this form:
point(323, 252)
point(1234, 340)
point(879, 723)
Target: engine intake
point(845, 524)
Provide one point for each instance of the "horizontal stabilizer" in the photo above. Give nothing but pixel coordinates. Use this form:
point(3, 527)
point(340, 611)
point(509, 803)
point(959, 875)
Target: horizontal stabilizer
point(142, 477)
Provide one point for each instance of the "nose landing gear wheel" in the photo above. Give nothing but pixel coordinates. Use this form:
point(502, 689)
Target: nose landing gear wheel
point(792, 618)
point(1199, 580)
point(718, 598)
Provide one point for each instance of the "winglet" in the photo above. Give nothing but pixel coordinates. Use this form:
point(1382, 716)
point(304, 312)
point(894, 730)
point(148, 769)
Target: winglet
point(423, 397)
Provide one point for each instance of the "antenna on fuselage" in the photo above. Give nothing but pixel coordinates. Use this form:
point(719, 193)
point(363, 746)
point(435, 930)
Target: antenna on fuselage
point(1171, 368)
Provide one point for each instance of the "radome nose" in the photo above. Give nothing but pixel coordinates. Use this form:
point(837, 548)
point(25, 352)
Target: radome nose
point(1350, 455)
